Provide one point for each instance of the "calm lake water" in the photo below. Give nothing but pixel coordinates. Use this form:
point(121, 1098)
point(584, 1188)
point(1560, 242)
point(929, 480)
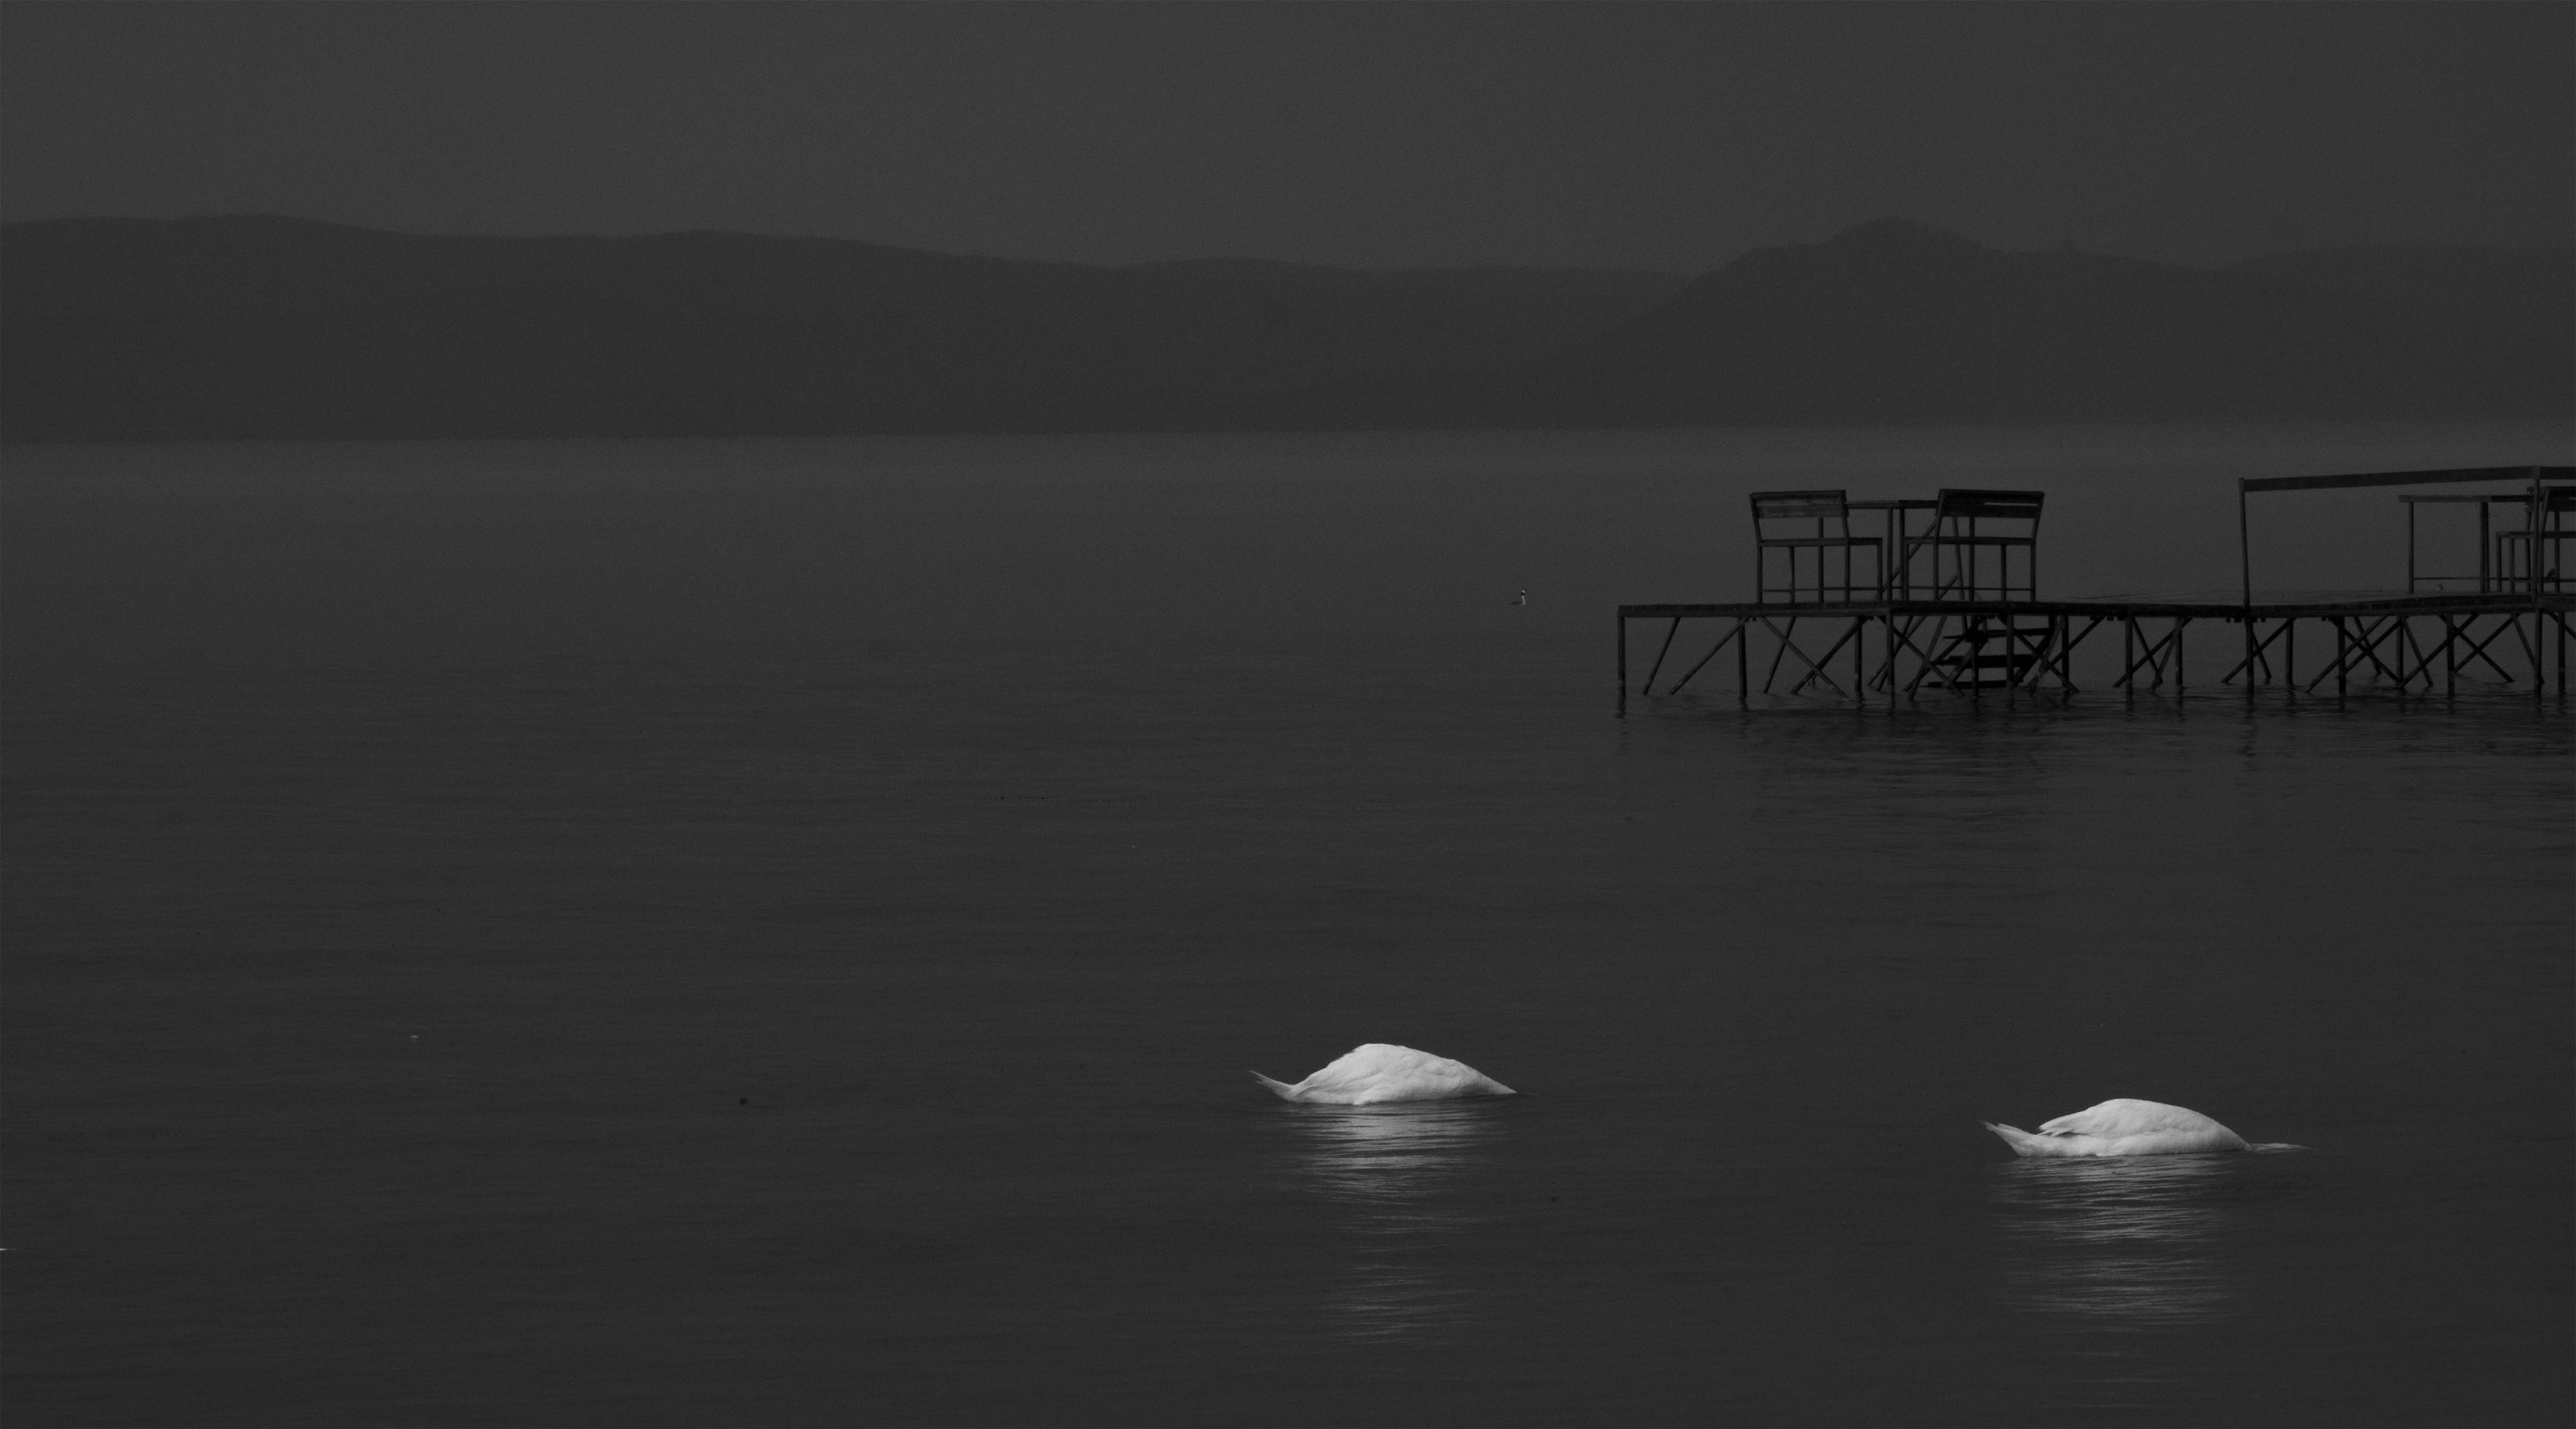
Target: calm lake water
point(774, 933)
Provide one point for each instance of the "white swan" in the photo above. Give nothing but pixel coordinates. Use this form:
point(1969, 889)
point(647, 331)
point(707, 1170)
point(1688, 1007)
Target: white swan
point(1382, 1072)
point(2125, 1126)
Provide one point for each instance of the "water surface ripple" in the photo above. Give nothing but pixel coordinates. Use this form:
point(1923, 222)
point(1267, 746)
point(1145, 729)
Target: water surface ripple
point(702, 933)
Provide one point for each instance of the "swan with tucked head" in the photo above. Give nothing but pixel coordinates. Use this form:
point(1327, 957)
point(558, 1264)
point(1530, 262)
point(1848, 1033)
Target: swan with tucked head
point(2125, 1126)
point(1382, 1072)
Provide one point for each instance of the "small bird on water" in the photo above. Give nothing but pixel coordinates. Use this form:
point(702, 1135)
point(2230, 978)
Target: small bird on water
point(1521, 599)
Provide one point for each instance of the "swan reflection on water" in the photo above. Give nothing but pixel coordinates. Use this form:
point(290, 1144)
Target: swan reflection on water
point(2121, 1242)
point(1393, 1173)
point(1394, 1159)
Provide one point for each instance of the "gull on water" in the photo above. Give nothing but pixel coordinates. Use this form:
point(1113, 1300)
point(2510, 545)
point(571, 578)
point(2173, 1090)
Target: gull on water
point(2125, 1126)
point(1382, 1072)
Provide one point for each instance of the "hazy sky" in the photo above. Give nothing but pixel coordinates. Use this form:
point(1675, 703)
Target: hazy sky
point(1372, 134)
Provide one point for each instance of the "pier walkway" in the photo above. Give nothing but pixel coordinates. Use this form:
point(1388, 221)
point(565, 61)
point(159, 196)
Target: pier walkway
point(1951, 632)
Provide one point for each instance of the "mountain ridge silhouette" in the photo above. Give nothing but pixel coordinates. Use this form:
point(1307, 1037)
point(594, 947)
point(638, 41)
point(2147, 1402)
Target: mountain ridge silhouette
point(263, 326)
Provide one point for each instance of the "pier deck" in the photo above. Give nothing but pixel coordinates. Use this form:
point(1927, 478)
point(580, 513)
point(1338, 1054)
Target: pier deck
point(1868, 649)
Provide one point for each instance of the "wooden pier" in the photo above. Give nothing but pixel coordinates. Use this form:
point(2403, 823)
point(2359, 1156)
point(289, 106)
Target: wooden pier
point(1945, 634)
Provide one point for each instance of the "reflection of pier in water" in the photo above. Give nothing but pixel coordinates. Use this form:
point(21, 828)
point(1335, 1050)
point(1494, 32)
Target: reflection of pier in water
point(1391, 1172)
point(2117, 1242)
point(1954, 606)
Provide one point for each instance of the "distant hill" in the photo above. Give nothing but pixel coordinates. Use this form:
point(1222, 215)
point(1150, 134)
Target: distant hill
point(263, 326)
point(2533, 289)
point(1896, 322)
point(127, 329)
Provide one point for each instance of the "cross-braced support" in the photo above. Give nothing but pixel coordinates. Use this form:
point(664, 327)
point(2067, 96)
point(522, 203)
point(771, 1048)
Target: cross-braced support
point(1952, 647)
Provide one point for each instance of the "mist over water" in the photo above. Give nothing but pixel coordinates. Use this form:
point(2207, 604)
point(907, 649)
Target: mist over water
point(602, 933)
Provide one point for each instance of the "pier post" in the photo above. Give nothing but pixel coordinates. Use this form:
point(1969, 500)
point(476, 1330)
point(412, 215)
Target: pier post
point(1889, 640)
point(2250, 649)
point(2245, 573)
point(2539, 632)
point(1743, 662)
